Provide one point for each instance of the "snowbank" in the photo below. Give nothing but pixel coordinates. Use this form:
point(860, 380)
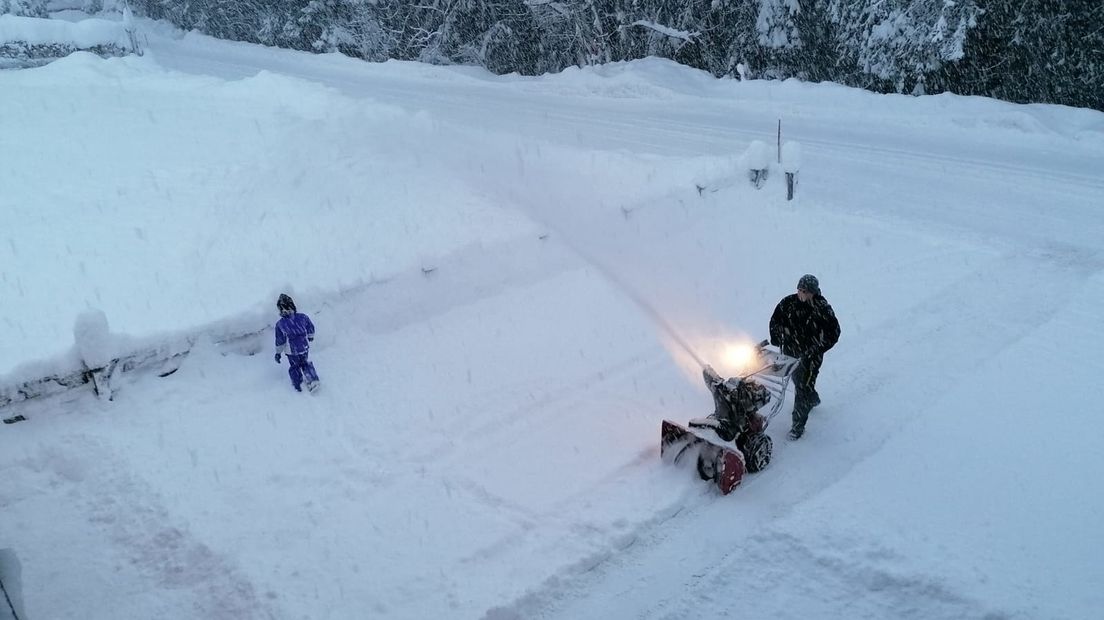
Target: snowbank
point(83, 34)
point(260, 185)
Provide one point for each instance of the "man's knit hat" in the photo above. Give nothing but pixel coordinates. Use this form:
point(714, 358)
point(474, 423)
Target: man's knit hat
point(809, 283)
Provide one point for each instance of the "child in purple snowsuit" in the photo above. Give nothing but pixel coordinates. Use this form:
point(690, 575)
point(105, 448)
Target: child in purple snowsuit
point(294, 333)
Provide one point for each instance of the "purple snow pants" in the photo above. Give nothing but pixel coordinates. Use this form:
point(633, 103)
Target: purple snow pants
point(298, 368)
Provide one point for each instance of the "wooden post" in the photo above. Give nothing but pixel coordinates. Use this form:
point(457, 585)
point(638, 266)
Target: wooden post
point(101, 380)
point(791, 165)
point(779, 140)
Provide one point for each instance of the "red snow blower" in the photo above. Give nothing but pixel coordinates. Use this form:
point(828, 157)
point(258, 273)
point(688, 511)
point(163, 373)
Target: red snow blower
point(732, 440)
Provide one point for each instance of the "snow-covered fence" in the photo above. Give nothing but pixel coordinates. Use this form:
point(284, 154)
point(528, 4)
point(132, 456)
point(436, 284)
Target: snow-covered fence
point(33, 41)
point(757, 163)
point(98, 357)
point(791, 163)
point(96, 349)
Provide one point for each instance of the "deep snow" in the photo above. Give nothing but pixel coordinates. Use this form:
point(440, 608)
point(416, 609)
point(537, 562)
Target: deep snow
point(511, 278)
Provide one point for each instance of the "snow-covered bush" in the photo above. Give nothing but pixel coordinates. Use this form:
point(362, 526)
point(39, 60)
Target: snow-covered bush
point(31, 41)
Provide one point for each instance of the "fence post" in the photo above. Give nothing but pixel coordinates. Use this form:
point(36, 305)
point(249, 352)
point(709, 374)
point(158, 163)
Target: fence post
point(791, 162)
point(757, 161)
point(97, 350)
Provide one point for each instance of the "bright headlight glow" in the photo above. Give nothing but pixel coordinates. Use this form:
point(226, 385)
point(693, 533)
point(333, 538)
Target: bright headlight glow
point(739, 356)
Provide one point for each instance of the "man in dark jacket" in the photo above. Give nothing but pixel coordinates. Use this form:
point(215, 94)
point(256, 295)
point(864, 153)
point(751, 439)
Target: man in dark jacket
point(804, 326)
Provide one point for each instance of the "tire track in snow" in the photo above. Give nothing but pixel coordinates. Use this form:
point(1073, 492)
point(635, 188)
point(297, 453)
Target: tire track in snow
point(133, 518)
point(772, 561)
point(450, 457)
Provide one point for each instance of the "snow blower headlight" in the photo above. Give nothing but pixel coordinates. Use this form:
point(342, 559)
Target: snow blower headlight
point(739, 357)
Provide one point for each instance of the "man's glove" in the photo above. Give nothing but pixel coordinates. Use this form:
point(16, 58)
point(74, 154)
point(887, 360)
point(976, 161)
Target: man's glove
point(277, 358)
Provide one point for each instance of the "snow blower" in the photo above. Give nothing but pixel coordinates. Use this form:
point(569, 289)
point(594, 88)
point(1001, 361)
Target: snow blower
point(732, 440)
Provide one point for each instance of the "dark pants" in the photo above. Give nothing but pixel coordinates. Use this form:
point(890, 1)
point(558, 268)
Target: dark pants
point(805, 394)
point(299, 367)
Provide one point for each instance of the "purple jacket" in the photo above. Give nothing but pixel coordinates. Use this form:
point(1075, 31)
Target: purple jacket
point(294, 333)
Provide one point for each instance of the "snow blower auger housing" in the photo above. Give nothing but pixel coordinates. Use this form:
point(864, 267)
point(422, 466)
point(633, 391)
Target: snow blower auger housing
point(732, 440)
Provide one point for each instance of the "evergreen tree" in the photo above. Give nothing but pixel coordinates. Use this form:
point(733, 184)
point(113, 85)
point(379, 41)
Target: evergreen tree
point(819, 57)
point(24, 8)
point(653, 28)
point(558, 34)
point(1020, 50)
point(597, 31)
point(1036, 50)
point(729, 40)
point(497, 34)
point(347, 26)
point(899, 43)
point(777, 24)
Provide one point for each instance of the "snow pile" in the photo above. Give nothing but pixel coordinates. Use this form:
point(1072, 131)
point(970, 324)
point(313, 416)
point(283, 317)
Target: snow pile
point(757, 156)
point(791, 156)
point(93, 339)
point(31, 42)
point(83, 34)
point(259, 184)
point(654, 79)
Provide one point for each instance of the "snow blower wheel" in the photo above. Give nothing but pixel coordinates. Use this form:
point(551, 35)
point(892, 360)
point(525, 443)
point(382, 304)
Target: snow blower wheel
point(757, 452)
point(707, 463)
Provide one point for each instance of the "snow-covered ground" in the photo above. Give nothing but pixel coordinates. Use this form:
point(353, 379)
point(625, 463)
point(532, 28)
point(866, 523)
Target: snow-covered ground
point(511, 278)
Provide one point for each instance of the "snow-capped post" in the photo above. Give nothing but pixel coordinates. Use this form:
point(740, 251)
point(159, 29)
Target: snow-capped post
point(791, 163)
point(96, 349)
point(778, 148)
point(757, 161)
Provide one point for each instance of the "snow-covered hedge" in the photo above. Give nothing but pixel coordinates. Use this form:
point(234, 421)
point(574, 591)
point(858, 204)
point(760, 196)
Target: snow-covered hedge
point(32, 41)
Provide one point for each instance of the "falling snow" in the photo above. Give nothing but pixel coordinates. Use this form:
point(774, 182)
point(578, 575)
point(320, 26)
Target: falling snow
point(485, 445)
